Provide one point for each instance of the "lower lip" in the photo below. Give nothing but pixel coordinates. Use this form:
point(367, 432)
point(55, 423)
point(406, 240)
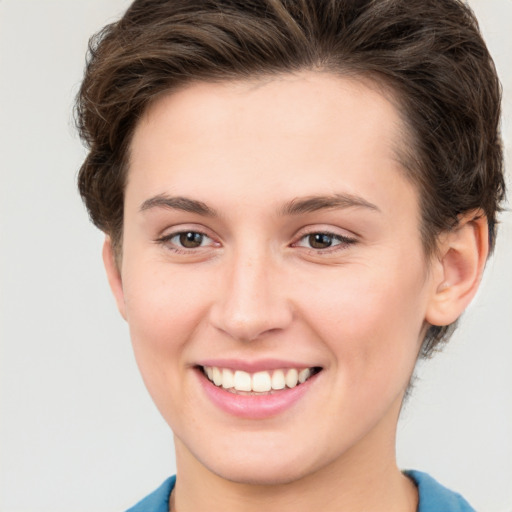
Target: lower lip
point(254, 406)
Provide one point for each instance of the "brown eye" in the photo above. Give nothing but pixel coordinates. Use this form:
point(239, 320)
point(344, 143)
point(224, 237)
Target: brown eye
point(320, 240)
point(191, 239)
point(187, 242)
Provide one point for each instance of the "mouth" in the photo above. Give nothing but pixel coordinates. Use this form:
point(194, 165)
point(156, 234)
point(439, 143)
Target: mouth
point(266, 382)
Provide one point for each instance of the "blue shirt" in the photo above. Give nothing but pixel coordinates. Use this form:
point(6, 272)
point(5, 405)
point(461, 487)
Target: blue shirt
point(433, 497)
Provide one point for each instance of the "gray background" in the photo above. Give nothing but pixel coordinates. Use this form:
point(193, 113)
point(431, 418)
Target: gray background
point(77, 429)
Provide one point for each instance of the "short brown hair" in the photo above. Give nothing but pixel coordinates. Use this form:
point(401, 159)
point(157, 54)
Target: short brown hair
point(429, 52)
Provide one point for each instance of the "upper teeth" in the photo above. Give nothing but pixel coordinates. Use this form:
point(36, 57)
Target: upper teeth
point(259, 381)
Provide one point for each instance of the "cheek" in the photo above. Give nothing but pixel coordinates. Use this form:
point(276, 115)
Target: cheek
point(162, 302)
point(165, 308)
point(371, 319)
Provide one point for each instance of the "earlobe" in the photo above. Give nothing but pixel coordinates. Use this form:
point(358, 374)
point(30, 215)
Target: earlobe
point(114, 275)
point(460, 264)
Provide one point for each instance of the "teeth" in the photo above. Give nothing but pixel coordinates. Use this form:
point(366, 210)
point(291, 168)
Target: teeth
point(278, 381)
point(217, 376)
point(228, 379)
point(259, 382)
point(304, 375)
point(242, 381)
point(292, 378)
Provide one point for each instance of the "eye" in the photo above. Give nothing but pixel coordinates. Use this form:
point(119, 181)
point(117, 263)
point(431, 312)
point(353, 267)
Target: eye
point(186, 240)
point(321, 240)
point(189, 239)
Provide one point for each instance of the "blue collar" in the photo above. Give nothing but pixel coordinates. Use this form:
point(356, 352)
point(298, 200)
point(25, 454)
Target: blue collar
point(433, 497)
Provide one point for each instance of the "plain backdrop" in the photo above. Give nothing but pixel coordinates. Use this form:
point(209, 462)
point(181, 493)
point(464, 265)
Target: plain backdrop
point(78, 431)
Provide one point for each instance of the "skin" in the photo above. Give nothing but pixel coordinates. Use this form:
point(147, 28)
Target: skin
point(256, 289)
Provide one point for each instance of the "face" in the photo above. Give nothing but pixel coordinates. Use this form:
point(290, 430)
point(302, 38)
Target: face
point(270, 234)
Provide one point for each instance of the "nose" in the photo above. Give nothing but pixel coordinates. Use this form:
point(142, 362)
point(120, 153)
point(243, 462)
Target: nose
point(252, 300)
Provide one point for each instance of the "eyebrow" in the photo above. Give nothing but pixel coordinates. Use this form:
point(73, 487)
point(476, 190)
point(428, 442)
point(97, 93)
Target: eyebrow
point(178, 203)
point(296, 206)
point(314, 203)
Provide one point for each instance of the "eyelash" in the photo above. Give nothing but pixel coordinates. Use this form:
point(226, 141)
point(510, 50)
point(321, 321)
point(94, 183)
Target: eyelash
point(167, 241)
point(343, 241)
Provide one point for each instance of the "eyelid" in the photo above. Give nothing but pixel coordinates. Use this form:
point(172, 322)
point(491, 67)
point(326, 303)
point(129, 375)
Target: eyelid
point(170, 233)
point(338, 238)
point(327, 230)
point(344, 239)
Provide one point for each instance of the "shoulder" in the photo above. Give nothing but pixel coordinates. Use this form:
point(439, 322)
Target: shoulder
point(433, 497)
point(158, 500)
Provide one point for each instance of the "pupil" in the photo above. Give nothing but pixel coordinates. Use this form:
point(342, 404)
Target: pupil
point(320, 240)
point(191, 240)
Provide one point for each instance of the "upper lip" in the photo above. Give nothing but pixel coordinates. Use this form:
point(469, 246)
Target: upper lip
point(256, 365)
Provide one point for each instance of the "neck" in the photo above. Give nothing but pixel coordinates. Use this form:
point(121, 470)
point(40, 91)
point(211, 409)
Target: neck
point(364, 478)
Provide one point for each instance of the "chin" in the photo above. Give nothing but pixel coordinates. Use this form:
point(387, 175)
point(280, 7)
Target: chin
point(248, 474)
point(263, 467)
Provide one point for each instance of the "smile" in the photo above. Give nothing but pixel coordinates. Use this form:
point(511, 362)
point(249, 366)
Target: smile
point(267, 382)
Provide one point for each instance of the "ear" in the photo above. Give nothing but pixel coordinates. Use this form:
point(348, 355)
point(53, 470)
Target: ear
point(458, 268)
point(114, 275)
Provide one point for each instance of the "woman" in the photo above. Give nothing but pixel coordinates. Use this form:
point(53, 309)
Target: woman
point(299, 199)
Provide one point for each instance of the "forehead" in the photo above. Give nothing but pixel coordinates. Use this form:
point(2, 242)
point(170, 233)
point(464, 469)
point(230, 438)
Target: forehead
point(295, 134)
point(294, 102)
